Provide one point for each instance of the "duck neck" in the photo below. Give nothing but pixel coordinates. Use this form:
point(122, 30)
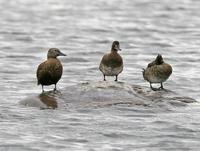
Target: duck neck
point(49, 57)
point(114, 51)
point(159, 62)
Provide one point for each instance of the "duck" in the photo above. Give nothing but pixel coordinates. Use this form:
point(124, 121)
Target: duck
point(112, 63)
point(50, 71)
point(157, 72)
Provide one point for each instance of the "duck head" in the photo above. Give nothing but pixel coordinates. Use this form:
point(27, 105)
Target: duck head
point(115, 46)
point(159, 59)
point(54, 52)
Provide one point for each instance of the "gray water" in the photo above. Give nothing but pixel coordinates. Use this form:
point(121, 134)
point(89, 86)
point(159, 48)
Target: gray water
point(84, 30)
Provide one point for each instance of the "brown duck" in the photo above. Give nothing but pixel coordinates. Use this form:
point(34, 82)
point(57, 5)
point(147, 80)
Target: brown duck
point(157, 72)
point(50, 71)
point(112, 63)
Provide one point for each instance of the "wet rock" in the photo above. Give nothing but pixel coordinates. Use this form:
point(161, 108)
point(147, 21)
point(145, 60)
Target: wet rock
point(105, 94)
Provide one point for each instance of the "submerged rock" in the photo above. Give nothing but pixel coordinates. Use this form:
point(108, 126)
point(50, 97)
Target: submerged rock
point(104, 94)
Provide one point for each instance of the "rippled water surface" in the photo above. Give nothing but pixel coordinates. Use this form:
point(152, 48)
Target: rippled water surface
point(84, 30)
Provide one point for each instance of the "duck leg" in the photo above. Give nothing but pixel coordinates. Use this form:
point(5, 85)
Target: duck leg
point(55, 88)
point(116, 78)
point(161, 86)
point(104, 77)
point(42, 88)
point(151, 86)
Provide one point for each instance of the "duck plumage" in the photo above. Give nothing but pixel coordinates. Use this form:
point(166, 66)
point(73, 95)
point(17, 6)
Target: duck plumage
point(50, 71)
point(112, 63)
point(157, 71)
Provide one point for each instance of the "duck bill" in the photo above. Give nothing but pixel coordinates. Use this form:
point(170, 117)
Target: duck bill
point(62, 54)
point(117, 48)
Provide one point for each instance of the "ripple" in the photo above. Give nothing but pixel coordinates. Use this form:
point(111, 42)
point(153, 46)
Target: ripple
point(99, 115)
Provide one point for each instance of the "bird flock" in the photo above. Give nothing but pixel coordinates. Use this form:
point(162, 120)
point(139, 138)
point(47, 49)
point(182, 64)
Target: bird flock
point(50, 71)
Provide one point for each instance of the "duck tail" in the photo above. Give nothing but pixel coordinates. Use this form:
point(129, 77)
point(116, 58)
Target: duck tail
point(143, 72)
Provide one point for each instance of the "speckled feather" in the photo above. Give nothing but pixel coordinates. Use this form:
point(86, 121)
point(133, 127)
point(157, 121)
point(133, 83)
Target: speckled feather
point(111, 64)
point(49, 72)
point(157, 73)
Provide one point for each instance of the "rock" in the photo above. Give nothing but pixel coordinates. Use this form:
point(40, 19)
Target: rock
point(105, 94)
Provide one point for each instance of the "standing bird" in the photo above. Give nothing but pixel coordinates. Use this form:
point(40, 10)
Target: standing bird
point(112, 63)
point(50, 71)
point(157, 72)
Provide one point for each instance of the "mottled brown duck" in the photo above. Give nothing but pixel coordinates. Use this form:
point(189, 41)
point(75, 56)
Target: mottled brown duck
point(157, 72)
point(50, 71)
point(112, 63)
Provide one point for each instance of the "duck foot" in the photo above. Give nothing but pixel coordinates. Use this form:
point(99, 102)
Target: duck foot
point(116, 78)
point(161, 86)
point(55, 89)
point(104, 78)
point(157, 89)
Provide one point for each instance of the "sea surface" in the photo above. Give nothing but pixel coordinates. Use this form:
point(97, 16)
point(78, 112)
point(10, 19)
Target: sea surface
point(84, 30)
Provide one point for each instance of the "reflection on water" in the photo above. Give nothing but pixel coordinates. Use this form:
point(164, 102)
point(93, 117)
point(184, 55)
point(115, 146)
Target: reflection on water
point(49, 101)
point(84, 30)
point(44, 101)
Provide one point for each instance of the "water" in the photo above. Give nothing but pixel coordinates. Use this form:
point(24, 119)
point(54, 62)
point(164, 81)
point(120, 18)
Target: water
point(84, 30)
